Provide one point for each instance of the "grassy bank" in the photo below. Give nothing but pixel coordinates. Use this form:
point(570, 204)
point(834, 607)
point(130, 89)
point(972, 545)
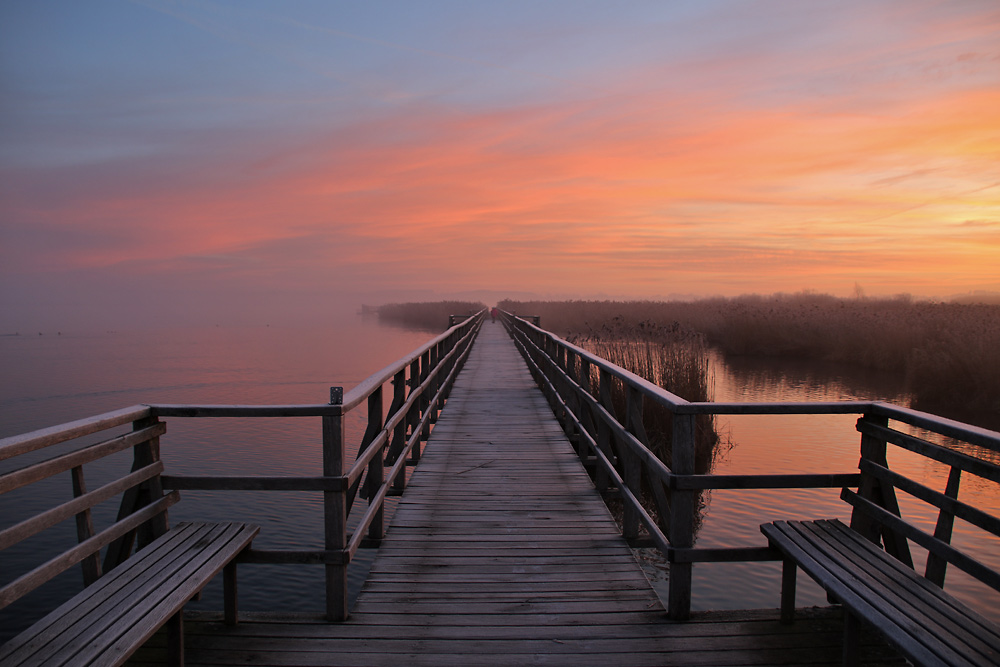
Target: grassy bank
point(948, 354)
point(426, 316)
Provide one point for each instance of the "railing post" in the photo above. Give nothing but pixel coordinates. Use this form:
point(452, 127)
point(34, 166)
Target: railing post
point(425, 398)
point(604, 436)
point(435, 352)
point(586, 418)
point(85, 530)
point(376, 467)
point(682, 507)
point(573, 401)
point(631, 470)
point(335, 511)
point(882, 494)
point(399, 432)
point(413, 416)
point(143, 454)
point(937, 566)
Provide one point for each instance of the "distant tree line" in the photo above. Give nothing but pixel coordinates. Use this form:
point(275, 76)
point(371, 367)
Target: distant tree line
point(427, 316)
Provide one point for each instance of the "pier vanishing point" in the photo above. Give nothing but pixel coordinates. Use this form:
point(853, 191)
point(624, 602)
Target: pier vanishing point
point(501, 549)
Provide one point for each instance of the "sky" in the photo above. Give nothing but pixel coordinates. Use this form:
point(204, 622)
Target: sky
point(257, 161)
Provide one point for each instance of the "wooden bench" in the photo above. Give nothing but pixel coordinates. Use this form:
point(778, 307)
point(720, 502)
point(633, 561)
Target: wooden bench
point(926, 624)
point(868, 567)
point(107, 621)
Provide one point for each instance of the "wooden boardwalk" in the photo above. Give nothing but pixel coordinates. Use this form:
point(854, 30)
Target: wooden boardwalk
point(501, 552)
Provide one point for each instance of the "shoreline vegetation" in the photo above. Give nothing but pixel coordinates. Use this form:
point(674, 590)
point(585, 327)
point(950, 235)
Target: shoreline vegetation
point(946, 354)
point(425, 316)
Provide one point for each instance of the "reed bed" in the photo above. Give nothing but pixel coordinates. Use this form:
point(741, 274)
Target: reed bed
point(672, 357)
point(676, 359)
point(947, 354)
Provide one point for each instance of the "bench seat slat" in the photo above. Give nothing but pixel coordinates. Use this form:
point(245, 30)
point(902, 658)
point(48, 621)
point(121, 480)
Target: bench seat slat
point(901, 632)
point(140, 588)
point(974, 623)
point(110, 619)
point(182, 586)
point(59, 625)
point(942, 623)
point(926, 540)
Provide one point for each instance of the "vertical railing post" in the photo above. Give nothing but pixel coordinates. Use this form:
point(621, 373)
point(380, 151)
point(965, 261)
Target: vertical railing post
point(413, 415)
point(399, 432)
point(586, 417)
point(573, 400)
point(682, 508)
point(604, 436)
point(937, 566)
point(436, 382)
point(882, 494)
point(143, 454)
point(632, 472)
point(425, 398)
point(376, 467)
point(335, 510)
point(449, 345)
point(85, 530)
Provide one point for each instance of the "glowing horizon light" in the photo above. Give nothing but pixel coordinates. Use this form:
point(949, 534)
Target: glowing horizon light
point(636, 152)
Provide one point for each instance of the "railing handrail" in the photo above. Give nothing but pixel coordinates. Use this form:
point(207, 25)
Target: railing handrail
point(949, 427)
point(360, 391)
point(654, 391)
point(390, 443)
point(23, 443)
point(620, 447)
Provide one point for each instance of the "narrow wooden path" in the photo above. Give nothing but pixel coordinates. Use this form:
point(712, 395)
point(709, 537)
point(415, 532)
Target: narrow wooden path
point(501, 552)
point(501, 535)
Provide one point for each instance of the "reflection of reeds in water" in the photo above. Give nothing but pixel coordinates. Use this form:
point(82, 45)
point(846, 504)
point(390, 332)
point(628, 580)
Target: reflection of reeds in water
point(675, 359)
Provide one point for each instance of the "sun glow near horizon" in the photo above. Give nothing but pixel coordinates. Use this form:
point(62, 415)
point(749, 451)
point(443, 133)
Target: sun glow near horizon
point(637, 152)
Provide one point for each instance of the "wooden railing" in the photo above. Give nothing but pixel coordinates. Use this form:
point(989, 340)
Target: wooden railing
point(615, 441)
point(420, 384)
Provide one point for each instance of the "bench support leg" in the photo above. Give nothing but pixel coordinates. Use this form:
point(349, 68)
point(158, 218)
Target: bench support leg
point(788, 569)
point(229, 592)
point(175, 640)
point(852, 639)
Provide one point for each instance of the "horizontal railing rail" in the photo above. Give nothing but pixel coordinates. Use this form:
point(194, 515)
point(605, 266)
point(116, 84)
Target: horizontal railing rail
point(626, 468)
point(421, 382)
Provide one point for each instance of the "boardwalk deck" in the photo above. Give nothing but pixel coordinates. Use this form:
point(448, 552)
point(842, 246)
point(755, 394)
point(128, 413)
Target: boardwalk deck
point(502, 553)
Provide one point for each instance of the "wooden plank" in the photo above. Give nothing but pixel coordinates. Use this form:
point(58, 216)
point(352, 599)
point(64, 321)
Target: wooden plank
point(966, 563)
point(29, 442)
point(40, 522)
point(106, 621)
point(32, 580)
point(822, 569)
point(251, 483)
point(984, 469)
point(942, 501)
point(938, 614)
point(929, 593)
point(859, 574)
point(38, 471)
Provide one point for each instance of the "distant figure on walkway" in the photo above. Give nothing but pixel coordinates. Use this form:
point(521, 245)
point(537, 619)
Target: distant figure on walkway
point(493, 314)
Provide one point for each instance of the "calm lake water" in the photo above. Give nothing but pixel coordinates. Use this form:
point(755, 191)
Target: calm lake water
point(51, 379)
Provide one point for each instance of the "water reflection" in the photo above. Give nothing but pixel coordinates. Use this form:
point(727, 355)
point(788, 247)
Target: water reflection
point(814, 444)
point(50, 380)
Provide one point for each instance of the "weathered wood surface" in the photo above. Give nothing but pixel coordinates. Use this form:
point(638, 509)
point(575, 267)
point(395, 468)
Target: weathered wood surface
point(108, 620)
point(927, 624)
point(501, 552)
